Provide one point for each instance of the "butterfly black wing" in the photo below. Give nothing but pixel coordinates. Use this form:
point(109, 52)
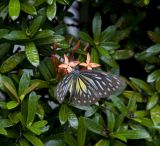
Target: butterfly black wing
point(92, 85)
point(63, 87)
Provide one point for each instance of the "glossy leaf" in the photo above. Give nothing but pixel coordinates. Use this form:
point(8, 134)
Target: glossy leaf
point(142, 85)
point(32, 107)
point(4, 48)
point(106, 57)
point(44, 34)
point(29, 9)
point(12, 104)
point(16, 35)
point(109, 45)
point(3, 131)
point(93, 126)
point(155, 75)
point(51, 11)
point(3, 32)
point(69, 139)
point(14, 9)
point(38, 127)
point(96, 27)
point(123, 54)
point(154, 49)
point(33, 139)
point(84, 36)
point(35, 25)
point(4, 123)
point(72, 119)
point(63, 114)
point(155, 115)
point(94, 56)
point(119, 104)
point(81, 132)
point(132, 106)
point(103, 142)
point(32, 53)
point(24, 143)
point(12, 62)
point(131, 134)
point(23, 83)
point(152, 101)
point(110, 120)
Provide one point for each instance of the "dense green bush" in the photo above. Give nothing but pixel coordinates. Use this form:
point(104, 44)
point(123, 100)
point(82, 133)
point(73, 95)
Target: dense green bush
point(122, 36)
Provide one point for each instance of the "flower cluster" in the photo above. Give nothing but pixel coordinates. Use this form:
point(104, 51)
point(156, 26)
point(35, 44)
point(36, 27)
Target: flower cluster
point(69, 65)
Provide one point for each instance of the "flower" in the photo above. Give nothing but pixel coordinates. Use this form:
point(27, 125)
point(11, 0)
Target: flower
point(89, 65)
point(68, 65)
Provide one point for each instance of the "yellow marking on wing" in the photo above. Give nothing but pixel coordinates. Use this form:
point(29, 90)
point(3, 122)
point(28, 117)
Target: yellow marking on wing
point(82, 84)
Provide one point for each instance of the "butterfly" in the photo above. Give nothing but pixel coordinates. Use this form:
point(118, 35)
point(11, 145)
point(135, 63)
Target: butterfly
point(88, 86)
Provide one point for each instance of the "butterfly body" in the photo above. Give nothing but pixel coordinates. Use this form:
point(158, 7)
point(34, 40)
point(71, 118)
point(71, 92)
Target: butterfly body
point(88, 86)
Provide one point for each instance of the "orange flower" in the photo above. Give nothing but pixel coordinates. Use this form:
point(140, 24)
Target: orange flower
point(68, 65)
point(89, 65)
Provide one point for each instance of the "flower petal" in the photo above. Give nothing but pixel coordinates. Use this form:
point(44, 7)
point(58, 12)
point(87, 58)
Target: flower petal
point(73, 63)
point(63, 66)
point(83, 64)
point(66, 60)
point(94, 65)
point(88, 58)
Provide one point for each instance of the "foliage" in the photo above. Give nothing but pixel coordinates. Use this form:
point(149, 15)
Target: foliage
point(34, 38)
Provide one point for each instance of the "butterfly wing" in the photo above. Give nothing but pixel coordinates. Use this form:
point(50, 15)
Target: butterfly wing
point(63, 87)
point(91, 85)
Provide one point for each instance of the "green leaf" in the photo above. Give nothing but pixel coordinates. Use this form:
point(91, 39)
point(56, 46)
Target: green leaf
point(3, 131)
point(69, 139)
point(129, 94)
point(142, 85)
point(14, 9)
point(155, 75)
point(132, 106)
point(12, 62)
point(72, 119)
point(32, 107)
point(23, 83)
point(51, 11)
point(8, 86)
point(93, 126)
point(158, 85)
point(29, 89)
point(106, 57)
point(155, 115)
point(24, 143)
point(14, 117)
point(35, 25)
point(110, 120)
point(123, 54)
point(40, 111)
point(94, 55)
point(81, 132)
point(3, 32)
point(32, 53)
point(4, 123)
point(152, 101)
point(146, 2)
point(131, 134)
point(33, 139)
point(44, 34)
point(154, 36)
point(16, 35)
point(12, 104)
point(155, 49)
point(4, 48)
point(63, 114)
point(103, 142)
point(84, 36)
point(28, 8)
point(96, 27)
point(119, 104)
point(55, 143)
point(38, 127)
point(108, 34)
point(144, 121)
point(109, 45)
point(50, 2)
